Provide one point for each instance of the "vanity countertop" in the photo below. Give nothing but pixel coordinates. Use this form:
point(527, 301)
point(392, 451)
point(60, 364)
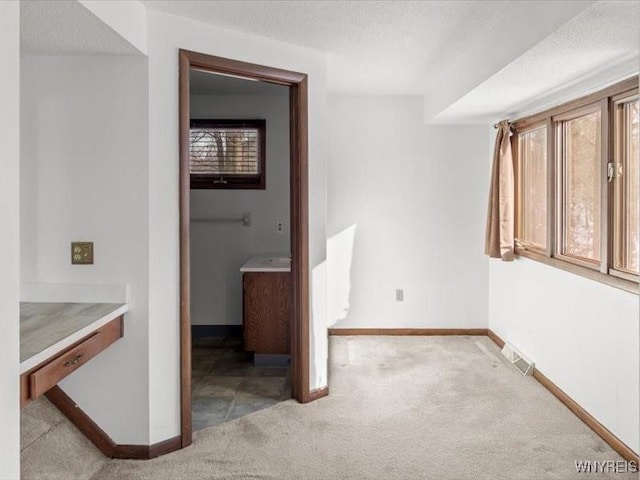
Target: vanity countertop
point(267, 263)
point(48, 328)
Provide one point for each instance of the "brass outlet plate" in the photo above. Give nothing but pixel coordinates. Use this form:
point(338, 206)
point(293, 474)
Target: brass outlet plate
point(82, 253)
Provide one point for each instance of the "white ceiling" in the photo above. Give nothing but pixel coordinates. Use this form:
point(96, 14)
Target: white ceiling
point(66, 27)
point(204, 83)
point(598, 46)
point(383, 45)
point(468, 59)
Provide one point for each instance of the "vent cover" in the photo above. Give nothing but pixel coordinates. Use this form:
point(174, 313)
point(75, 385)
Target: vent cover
point(522, 363)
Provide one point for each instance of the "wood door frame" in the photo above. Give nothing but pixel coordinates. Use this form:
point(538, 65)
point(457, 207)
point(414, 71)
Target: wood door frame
point(299, 195)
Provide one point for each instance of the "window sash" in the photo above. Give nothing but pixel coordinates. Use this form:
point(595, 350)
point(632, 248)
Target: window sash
point(523, 236)
point(625, 171)
point(563, 188)
point(603, 270)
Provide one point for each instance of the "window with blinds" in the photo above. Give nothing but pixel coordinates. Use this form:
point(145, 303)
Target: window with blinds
point(227, 154)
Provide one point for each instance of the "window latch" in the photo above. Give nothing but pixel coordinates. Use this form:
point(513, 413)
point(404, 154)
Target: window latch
point(610, 171)
point(220, 181)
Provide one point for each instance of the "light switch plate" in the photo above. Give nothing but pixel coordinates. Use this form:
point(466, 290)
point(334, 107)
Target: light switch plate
point(82, 253)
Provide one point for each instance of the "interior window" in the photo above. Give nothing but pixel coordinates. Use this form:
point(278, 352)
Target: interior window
point(227, 154)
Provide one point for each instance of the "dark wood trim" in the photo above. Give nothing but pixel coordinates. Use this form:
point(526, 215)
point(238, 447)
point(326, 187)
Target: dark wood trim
point(299, 192)
point(185, 263)
point(166, 446)
point(614, 442)
point(408, 331)
point(81, 420)
point(496, 339)
point(227, 66)
point(131, 452)
point(318, 393)
point(299, 175)
point(600, 430)
point(100, 439)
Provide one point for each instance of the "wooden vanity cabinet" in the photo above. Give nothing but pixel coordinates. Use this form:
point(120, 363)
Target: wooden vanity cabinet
point(267, 312)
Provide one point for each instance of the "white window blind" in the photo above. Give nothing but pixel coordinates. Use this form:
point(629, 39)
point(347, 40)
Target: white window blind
point(227, 153)
point(224, 151)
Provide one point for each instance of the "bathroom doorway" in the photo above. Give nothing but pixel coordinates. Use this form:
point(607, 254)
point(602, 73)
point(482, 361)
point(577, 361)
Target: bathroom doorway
point(219, 352)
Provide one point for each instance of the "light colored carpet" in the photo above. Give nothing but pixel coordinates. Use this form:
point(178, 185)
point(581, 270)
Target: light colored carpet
point(400, 408)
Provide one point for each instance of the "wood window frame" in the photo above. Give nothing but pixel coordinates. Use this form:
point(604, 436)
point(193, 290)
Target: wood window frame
point(560, 186)
point(603, 270)
point(237, 181)
point(617, 100)
point(519, 179)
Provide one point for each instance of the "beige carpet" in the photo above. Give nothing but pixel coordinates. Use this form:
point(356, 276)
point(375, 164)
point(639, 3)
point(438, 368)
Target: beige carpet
point(400, 408)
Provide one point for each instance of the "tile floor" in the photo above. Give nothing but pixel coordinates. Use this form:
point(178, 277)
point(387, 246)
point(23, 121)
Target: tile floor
point(226, 385)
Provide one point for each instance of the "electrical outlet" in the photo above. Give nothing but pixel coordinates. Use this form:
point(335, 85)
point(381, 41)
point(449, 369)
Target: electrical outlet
point(399, 295)
point(82, 253)
point(279, 226)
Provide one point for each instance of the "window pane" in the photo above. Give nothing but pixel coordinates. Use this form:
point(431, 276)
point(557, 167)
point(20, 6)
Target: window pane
point(224, 151)
point(626, 209)
point(532, 150)
point(581, 200)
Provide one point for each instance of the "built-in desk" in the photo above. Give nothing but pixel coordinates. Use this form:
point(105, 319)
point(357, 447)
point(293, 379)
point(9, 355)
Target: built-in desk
point(58, 338)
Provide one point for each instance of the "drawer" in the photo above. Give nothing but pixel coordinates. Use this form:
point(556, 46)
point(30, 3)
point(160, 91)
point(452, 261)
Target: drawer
point(49, 374)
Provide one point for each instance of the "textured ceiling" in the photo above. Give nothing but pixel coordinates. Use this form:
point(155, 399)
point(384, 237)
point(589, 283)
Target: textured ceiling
point(203, 83)
point(441, 50)
point(601, 44)
point(66, 27)
point(383, 46)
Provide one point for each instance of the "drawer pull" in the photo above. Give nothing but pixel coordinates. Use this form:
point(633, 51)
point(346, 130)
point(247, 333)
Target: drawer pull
point(74, 360)
point(50, 372)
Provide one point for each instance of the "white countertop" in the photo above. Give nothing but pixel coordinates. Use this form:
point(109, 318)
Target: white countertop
point(48, 328)
point(267, 263)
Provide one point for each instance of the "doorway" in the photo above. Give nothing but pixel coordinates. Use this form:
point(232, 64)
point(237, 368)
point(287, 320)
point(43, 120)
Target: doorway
point(298, 171)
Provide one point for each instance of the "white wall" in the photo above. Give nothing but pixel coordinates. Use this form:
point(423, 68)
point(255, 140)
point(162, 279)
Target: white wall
point(167, 34)
point(583, 335)
point(406, 209)
point(9, 239)
point(218, 250)
point(84, 177)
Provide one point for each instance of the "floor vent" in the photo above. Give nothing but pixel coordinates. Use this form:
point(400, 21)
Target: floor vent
point(522, 363)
